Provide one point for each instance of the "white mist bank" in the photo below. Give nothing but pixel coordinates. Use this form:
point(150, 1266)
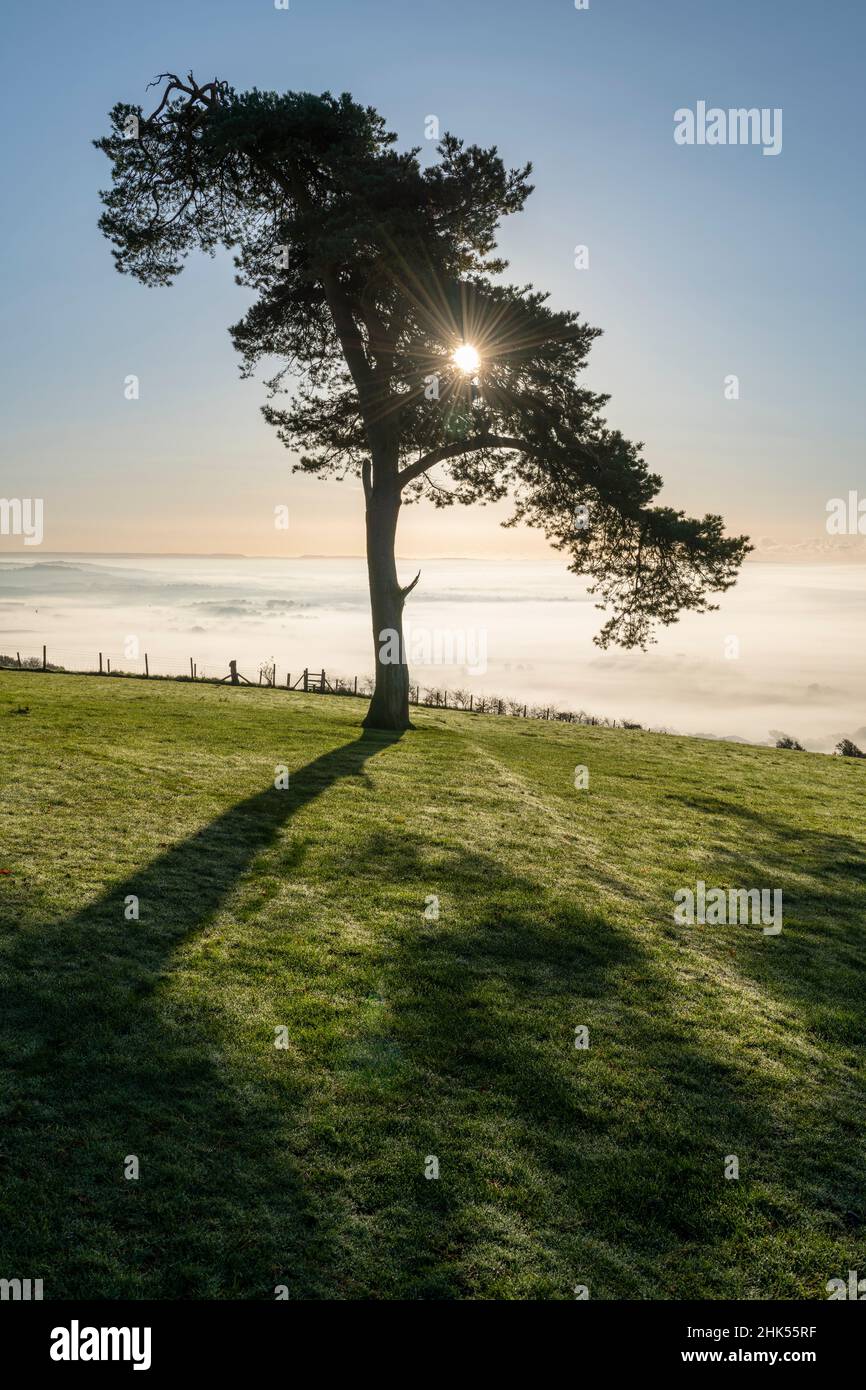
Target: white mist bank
point(784, 651)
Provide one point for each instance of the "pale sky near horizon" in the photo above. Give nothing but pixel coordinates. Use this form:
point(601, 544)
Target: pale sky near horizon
point(704, 261)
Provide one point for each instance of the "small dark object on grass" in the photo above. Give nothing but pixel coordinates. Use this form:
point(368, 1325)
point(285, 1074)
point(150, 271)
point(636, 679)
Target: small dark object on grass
point(21, 709)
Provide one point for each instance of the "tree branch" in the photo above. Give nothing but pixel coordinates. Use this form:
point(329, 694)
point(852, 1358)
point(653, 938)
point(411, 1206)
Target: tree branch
point(409, 587)
point(457, 450)
point(193, 91)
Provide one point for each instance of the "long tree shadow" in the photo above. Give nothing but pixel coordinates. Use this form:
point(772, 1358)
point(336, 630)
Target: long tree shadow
point(97, 1072)
point(560, 1166)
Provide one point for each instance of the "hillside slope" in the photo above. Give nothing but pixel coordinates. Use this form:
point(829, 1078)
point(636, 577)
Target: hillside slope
point(409, 1038)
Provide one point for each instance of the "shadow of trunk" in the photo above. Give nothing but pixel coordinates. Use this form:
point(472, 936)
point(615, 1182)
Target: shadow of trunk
point(99, 1065)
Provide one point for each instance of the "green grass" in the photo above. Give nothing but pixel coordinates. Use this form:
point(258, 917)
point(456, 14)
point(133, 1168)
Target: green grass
point(305, 1166)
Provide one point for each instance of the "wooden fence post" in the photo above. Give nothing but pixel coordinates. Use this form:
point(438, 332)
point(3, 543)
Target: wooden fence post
point(18, 654)
point(108, 659)
point(191, 675)
point(146, 667)
point(306, 680)
point(100, 663)
point(44, 660)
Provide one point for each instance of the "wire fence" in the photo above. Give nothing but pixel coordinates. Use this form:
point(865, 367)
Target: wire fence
point(119, 664)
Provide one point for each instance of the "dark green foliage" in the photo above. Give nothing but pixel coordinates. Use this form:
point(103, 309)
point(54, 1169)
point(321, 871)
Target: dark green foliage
point(369, 272)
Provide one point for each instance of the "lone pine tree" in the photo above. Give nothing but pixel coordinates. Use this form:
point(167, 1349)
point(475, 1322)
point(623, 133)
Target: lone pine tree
point(402, 350)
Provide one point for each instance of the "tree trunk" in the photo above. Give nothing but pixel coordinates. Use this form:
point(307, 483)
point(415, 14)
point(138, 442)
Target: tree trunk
point(389, 707)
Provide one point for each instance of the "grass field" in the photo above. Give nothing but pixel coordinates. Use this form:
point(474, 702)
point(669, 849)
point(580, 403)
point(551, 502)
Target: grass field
point(408, 1038)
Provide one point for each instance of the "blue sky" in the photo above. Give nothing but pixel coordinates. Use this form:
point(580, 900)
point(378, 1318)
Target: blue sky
point(703, 261)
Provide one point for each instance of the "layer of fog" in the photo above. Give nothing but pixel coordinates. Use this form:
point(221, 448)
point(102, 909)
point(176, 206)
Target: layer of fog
point(782, 653)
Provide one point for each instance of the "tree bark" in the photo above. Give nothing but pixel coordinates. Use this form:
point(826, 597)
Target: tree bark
point(389, 707)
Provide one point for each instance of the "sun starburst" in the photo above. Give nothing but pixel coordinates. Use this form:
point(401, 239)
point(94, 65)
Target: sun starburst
point(466, 358)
